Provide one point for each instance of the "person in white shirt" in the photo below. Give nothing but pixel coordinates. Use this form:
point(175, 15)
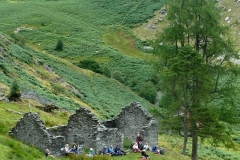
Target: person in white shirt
point(146, 146)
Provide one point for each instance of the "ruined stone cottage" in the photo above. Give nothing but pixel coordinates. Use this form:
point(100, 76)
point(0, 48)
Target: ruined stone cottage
point(84, 129)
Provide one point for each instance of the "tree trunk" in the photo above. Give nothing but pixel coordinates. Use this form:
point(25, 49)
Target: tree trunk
point(185, 134)
point(186, 116)
point(194, 145)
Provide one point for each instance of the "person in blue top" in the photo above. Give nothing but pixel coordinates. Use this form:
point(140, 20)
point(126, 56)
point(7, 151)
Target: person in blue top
point(104, 150)
point(91, 152)
point(118, 150)
point(111, 151)
point(74, 149)
point(154, 149)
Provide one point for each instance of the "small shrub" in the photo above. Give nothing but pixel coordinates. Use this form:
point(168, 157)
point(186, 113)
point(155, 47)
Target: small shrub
point(18, 39)
point(127, 143)
point(48, 108)
point(57, 88)
point(133, 84)
point(118, 76)
point(236, 139)
point(59, 46)
point(148, 91)
point(91, 65)
point(64, 114)
point(49, 123)
point(40, 62)
point(14, 94)
point(106, 72)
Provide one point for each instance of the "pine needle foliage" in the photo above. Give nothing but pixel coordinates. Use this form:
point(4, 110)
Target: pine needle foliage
point(15, 93)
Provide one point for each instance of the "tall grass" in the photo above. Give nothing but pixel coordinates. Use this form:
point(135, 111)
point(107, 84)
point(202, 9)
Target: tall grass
point(85, 157)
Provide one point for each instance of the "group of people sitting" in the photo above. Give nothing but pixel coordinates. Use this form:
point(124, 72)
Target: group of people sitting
point(117, 151)
point(138, 146)
point(74, 149)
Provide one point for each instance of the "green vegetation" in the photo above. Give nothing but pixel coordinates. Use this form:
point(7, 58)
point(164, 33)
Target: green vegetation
point(91, 65)
point(118, 76)
point(59, 46)
point(56, 81)
point(148, 91)
point(53, 39)
point(13, 149)
point(10, 114)
point(127, 143)
point(42, 45)
point(15, 93)
point(197, 68)
point(107, 72)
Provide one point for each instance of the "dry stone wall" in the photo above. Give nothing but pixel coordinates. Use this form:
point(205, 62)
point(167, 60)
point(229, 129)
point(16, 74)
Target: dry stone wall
point(31, 130)
point(84, 124)
point(134, 119)
point(84, 129)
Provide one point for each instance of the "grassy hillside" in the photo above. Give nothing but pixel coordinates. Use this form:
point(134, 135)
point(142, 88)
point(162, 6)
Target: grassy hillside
point(13, 149)
point(40, 24)
point(10, 114)
point(230, 15)
point(31, 29)
point(16, 150)
point(113, 34)
point(51, 80)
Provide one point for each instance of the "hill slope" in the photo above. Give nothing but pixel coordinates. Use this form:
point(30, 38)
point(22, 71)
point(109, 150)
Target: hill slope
point(51, 80)
point(89, 29)
point(31, 29)
point(230, 17)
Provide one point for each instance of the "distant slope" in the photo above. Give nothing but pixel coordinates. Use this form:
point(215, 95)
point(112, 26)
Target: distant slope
point(50, 77)
point(230, 17)
point(80, 25)
point(50, 80)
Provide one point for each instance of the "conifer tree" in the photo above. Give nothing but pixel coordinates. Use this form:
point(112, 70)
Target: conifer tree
point(196, 70)
point(15, 93)
point(59, 46)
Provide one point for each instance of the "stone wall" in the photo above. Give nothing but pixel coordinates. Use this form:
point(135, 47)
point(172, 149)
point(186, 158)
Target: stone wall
point(83, 124)
point(107, 137)
point(31, 130)
point(149, 133)
point(134, 119)
point(84, 129)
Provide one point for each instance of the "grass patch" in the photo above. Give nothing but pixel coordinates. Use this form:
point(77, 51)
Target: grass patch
point(126, 44)
point(13, 149)
point(43, 24)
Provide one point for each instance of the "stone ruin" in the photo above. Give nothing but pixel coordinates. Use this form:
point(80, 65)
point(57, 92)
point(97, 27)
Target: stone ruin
point(84, 129)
